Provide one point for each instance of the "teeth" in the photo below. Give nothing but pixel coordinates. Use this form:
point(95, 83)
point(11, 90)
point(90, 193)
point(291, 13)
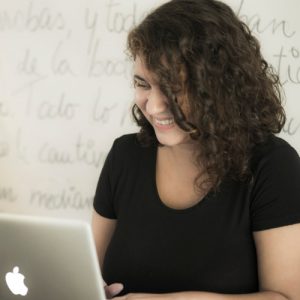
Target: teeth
point(165, 122)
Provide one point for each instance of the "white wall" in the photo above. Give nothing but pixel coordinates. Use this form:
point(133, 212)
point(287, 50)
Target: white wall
point(66, 91)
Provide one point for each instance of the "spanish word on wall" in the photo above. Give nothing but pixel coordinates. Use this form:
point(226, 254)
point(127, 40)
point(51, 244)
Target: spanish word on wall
point(66, 92)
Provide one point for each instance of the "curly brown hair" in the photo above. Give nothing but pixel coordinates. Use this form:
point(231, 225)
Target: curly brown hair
point(200, 49)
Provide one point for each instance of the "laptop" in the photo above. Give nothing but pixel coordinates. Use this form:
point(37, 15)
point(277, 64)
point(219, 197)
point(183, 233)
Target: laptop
point(47, 259)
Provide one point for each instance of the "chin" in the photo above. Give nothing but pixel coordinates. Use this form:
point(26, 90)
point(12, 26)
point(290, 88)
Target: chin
point(170, 140)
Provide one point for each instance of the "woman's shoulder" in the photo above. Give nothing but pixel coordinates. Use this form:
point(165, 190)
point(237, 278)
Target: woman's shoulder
point(275, 189)
point(128, 143)
point(127, 137)
point(128, 146)
point(274, 150)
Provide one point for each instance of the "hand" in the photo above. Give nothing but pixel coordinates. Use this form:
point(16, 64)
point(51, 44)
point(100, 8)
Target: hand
point(137, 296)
point(112, 289)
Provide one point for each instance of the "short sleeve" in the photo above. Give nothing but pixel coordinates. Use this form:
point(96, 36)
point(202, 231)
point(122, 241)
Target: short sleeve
point(103, 201)
point(276, 190)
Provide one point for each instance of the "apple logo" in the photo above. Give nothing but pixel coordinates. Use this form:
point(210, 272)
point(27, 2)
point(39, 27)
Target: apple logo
point(15, 282)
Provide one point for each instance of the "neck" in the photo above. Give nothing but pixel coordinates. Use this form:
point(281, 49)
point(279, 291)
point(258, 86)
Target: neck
point(183, 154)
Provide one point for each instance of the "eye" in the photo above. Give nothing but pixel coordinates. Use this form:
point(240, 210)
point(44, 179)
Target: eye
point(141, 84)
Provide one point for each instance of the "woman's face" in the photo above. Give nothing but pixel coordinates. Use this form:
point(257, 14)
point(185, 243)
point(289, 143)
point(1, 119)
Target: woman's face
point(154, 105)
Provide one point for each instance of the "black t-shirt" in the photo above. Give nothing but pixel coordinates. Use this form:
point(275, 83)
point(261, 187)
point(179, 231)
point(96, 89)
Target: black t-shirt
point(207, 247)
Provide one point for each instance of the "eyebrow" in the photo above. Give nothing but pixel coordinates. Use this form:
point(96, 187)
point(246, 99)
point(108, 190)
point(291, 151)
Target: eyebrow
point(139, 78)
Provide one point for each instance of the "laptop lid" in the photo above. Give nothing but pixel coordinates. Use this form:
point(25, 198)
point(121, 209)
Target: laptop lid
point(45, 258)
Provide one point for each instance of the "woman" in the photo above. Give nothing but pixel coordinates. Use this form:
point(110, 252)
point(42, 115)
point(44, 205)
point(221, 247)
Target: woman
point(204, 202)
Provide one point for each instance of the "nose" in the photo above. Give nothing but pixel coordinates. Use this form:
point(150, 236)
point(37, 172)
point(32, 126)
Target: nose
point(156, 102)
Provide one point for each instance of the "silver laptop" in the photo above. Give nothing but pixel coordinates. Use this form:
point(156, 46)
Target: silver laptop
point(47, 259)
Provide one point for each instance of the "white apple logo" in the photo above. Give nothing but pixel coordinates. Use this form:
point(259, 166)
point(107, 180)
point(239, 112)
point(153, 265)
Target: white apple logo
point(15, 282)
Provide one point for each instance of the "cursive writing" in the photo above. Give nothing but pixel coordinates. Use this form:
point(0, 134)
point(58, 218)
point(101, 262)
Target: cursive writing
point(288, 65)
point(4, 149)
point(291, 126)
point(7, 194)
point(117, 20)
point(83, 151)
point(257, 24)
point(32, 19)
point(66, 198)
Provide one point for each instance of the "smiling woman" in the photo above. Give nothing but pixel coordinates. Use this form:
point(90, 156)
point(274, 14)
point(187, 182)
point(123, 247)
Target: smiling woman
point(203, 202)
point(154, 105)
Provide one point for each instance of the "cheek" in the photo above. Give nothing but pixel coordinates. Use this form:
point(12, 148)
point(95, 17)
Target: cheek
point(140, 100)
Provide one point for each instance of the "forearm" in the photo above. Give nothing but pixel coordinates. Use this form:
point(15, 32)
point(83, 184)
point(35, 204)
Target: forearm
point(205, 296)
point(215, 296)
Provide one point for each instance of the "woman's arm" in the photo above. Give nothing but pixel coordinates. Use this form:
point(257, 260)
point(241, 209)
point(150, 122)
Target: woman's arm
point(103, 229)
point(203, 296)
point(278, 258)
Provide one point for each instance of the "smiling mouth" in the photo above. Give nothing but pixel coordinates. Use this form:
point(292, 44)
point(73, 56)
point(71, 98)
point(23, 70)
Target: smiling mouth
point(164, 124)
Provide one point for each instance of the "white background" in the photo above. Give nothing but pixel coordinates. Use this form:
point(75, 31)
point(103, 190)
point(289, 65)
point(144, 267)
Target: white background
point(66, 92)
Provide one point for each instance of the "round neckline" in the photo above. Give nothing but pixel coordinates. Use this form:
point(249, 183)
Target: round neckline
point(161, 203)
